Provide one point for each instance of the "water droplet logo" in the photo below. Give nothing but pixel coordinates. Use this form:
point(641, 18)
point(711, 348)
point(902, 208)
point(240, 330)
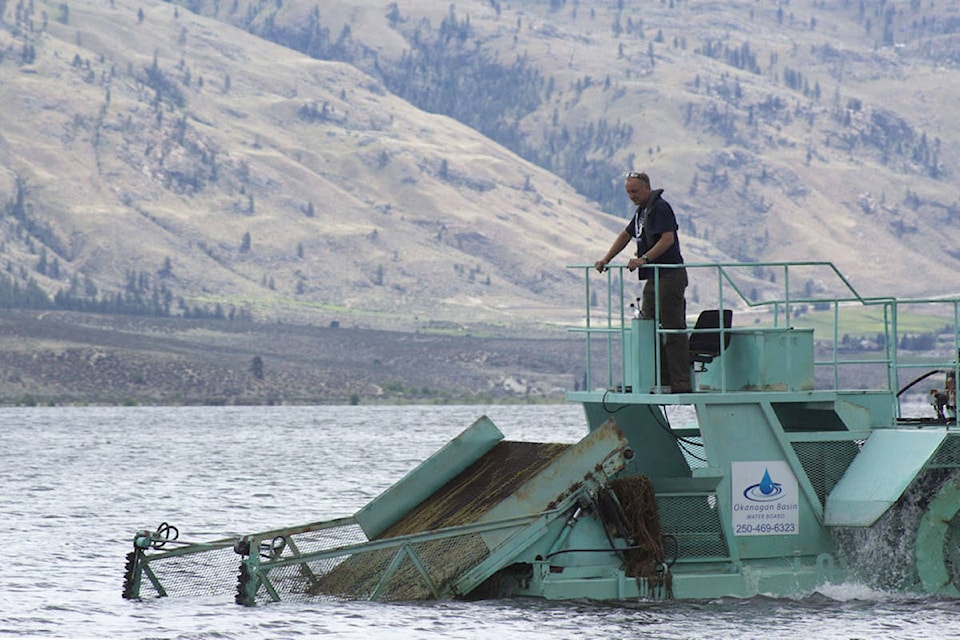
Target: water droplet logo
point(765, 491)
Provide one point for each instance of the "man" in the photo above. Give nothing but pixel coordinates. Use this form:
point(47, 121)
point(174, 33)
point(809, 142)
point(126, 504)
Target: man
point(654, 226)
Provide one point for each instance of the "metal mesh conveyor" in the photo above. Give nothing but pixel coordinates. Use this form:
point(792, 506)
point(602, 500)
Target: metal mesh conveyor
point(464, 500)
point(487, 482)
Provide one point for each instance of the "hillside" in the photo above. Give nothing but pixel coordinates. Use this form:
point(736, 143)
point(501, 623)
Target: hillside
point(154, 151)
point(802, 130)
point(409, 166)
point(170, 153)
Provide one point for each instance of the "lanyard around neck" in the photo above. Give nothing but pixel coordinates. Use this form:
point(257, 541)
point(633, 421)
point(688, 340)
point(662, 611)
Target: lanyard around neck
point(638, 221)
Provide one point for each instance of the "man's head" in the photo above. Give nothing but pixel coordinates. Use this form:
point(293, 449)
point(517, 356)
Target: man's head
point(637, 186)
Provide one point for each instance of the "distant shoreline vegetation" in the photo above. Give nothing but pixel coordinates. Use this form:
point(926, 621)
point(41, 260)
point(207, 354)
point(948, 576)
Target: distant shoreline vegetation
point(139, 298)
point(47, 400)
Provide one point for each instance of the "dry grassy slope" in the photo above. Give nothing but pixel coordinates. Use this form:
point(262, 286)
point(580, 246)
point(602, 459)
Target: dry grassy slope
point(474, 245)
point(840, 205)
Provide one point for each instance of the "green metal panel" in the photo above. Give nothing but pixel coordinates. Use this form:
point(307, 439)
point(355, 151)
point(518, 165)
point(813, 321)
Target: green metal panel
point(706, 585)
point(587, 583)
point(654, 446)
point(763, 359)
point(777, 577)
point(878, 404)
point(640, 365)
point(855, 416)
point(750, 432)
point(888, 463)
point(428, 476)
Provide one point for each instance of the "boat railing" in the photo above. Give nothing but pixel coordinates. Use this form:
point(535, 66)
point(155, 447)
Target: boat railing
point(774, 295)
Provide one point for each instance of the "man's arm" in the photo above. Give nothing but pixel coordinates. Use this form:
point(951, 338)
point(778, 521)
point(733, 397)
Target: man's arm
point(658, 249)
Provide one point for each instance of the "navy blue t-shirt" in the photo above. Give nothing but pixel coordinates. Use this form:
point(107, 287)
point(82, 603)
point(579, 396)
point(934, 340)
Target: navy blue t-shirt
point(651, 222)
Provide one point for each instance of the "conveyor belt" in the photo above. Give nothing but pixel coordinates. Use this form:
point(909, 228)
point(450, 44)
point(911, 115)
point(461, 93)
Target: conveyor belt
point(487, 482)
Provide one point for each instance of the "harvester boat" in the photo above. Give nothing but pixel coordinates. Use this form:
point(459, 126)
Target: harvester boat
point(774, 483)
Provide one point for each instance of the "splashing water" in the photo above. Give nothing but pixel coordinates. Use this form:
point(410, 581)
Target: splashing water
point(883, 556)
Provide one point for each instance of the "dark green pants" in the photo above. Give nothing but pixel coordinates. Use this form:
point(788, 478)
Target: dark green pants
point(675, 350)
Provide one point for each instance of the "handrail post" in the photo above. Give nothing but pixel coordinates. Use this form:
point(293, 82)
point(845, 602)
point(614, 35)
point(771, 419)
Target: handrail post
point(956, 361)
point(786, 294)
point(588, 378)
point(624, 354)
point(893, 372)
point(657, 355)
point(723, 363)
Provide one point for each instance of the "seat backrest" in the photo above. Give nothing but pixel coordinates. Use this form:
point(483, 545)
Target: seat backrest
point(704, 347)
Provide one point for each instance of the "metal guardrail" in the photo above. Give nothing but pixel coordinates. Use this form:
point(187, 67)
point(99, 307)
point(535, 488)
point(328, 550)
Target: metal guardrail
point(612, 323)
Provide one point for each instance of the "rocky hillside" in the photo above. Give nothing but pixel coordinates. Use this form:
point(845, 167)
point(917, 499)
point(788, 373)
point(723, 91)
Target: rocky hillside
point(157, 154)
point(804, 131)
point(412, 161)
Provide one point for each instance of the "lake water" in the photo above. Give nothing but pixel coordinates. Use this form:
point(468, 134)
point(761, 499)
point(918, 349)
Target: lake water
point(77, 483)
